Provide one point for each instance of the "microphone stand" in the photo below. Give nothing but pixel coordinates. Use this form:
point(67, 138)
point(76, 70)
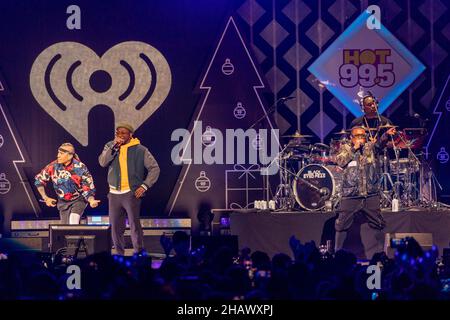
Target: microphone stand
point(267, 113)
point(411, 157)
point(379, 120)
point(397, 159)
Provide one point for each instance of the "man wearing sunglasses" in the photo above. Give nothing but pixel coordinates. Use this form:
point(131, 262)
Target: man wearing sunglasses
point(132, 171)
point(371, 119)
point(72, 182)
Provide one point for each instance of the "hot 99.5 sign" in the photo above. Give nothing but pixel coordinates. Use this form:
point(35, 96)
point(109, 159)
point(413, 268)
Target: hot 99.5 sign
point(366, 68)
point(362, 59)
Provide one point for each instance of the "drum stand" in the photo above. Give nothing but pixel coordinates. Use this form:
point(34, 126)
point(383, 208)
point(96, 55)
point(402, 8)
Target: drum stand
point(396, 185)
point(387, 182)
point(409, 197)
point(284, 196)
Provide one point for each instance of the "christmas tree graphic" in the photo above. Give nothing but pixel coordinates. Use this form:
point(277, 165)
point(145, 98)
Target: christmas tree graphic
point(16, 195)
point(437, 149)
point(231, 100)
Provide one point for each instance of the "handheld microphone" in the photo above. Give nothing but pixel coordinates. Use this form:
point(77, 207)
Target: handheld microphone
point(117, 145)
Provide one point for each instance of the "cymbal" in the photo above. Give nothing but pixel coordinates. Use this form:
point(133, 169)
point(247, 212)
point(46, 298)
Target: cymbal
point(297, 135)
point(342, 132)
point(293, 145)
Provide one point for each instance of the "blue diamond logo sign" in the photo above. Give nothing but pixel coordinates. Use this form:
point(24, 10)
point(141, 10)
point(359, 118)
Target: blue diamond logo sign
point(363, 59)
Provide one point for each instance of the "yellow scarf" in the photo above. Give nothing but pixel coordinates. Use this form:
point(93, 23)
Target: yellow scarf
point(123, 156)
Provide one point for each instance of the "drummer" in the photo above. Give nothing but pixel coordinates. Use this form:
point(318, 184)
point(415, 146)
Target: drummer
point(371, 119)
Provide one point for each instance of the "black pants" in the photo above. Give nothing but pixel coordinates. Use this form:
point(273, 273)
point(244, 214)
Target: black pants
point(370, 207)
point(120, 207)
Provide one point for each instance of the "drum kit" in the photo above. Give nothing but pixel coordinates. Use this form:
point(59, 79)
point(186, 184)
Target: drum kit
point(311, 180)
point(309, 177)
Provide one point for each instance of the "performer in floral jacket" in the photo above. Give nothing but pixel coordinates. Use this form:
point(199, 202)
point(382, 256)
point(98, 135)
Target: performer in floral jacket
point(72, 183)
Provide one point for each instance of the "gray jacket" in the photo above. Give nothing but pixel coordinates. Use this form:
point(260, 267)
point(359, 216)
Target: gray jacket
point(361, 176)
point(139, 160)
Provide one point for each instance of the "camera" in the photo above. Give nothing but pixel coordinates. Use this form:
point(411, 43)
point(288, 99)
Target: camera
point(399, 243)
point(407, 245)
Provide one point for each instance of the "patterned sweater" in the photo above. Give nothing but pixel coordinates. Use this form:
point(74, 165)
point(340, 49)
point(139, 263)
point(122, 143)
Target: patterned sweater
point(69, 182)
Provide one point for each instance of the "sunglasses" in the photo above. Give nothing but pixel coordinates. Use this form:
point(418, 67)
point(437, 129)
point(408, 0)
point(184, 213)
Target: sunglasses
point(61, 150)
point(359, 136)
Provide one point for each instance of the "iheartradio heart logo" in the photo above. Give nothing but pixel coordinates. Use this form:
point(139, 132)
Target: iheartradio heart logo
point(136, 81)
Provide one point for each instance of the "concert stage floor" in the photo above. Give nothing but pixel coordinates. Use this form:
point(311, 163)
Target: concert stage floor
point(270, 232)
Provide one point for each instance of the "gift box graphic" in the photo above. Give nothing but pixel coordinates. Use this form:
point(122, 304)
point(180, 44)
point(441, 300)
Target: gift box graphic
point(243, 185)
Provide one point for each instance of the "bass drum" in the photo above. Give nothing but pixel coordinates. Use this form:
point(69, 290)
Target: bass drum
point(315, 184)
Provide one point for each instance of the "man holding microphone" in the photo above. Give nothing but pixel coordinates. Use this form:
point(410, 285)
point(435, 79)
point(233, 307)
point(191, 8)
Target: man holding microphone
point(132, 170)
point(360, 185)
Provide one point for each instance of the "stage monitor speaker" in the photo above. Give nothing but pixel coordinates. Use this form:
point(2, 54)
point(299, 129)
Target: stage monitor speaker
point(79, 240)
point(425, 240)
point(34, 234)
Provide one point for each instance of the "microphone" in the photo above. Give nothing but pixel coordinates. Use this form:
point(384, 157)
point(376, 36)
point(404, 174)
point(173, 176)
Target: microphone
point(287, 98)
point(116, 146)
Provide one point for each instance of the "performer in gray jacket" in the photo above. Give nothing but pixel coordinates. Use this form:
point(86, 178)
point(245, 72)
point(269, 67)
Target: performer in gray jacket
point(361, 184)
point(132, 170)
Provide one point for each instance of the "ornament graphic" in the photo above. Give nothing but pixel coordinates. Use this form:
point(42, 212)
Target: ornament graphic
point(5, 185)
point(208, 137)
point(202, 183)
point(2, 141)
point(443, 156)
point(239, 112)
point(227, 67)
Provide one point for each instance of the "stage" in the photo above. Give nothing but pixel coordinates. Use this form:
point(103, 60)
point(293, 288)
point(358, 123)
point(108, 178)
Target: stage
point(270, 232)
